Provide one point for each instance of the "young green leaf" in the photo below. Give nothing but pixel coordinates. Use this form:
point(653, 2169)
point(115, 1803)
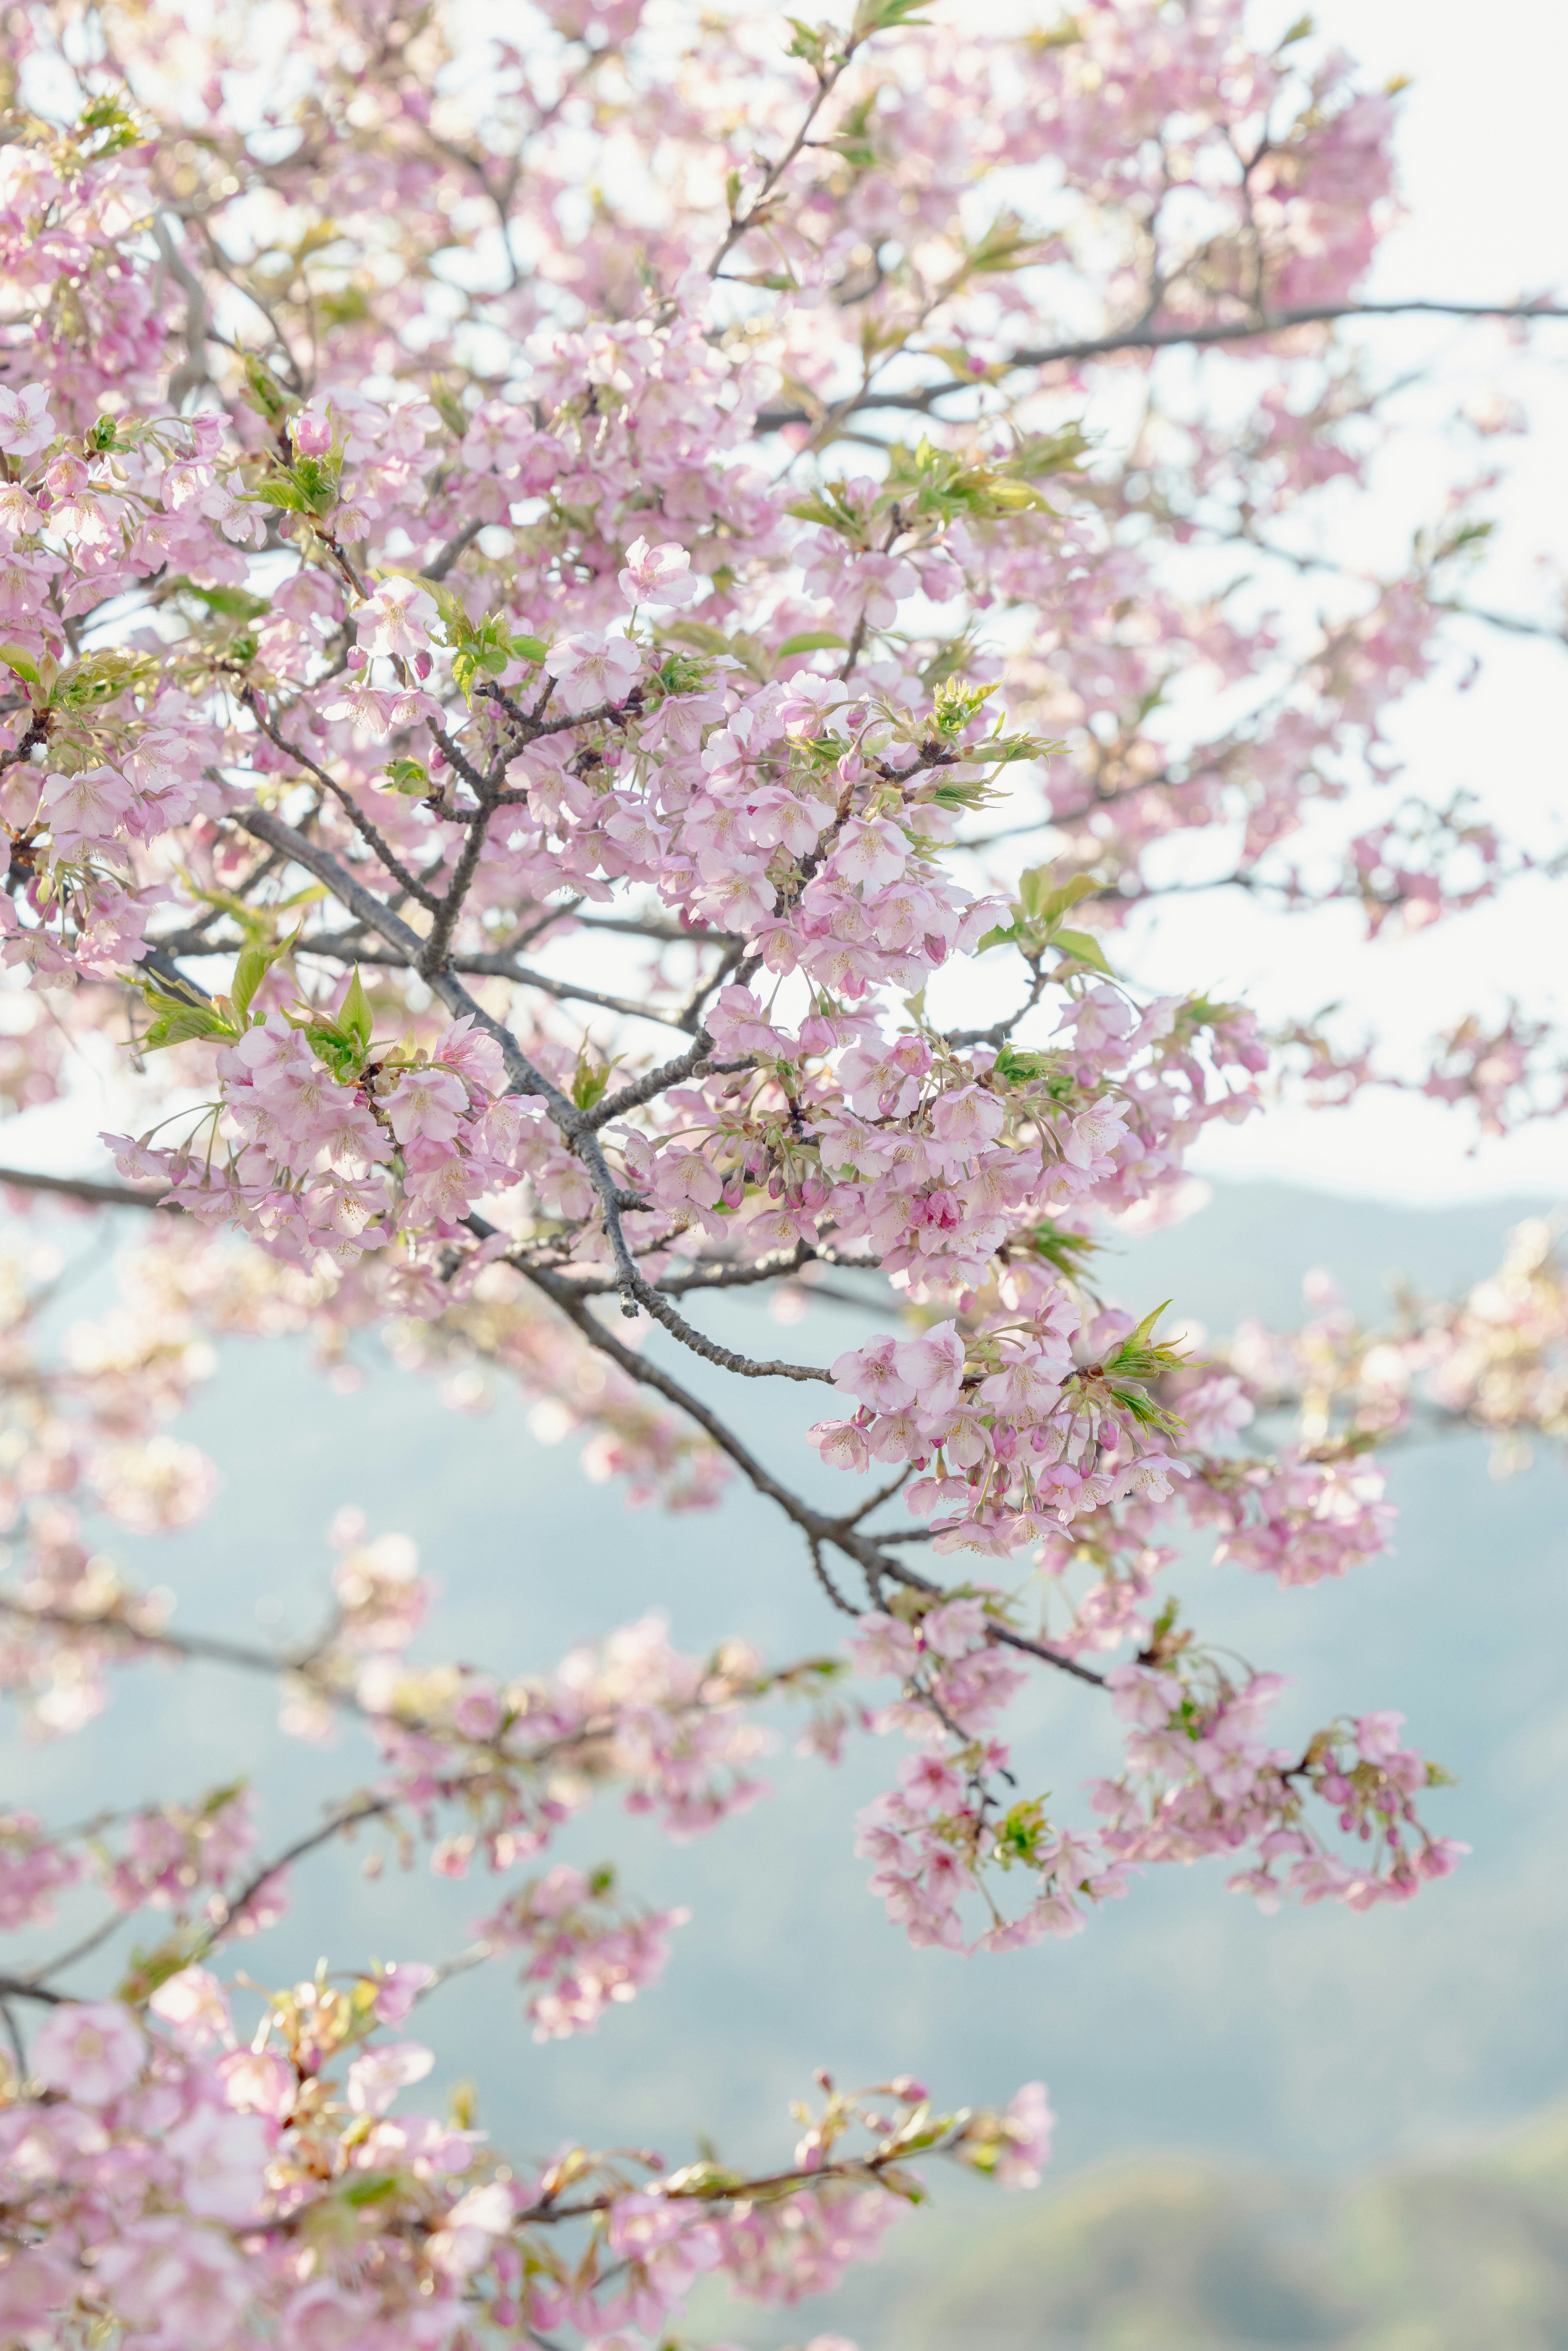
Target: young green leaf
point(408, 776)
point(251, 967)
point(811, 641)
point(354, 1014)
point(176, 1021)
point(1083, 948)
point(18, 658)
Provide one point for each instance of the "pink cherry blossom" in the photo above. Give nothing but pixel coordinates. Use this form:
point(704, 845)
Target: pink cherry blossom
point(25, 424)
point(375, 2079)
point(90, 2051)
point(397, 618)
point(590, 669)
point(657, 575)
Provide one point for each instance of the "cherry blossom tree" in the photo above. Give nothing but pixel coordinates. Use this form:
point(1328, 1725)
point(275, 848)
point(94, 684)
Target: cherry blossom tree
point(608, 616)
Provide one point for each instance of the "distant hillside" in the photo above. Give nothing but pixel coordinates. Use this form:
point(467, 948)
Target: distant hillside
point(1169, 2254)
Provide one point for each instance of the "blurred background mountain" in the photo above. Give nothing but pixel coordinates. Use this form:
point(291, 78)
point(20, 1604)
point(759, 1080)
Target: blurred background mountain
point(1274, 2131)
point(1174, 2255)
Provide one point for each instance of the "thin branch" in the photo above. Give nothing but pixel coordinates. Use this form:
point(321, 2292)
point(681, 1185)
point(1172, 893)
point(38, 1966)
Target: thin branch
point(211, 1648)
point(369, 1808)
point(690, 1064)
point(18, 1987)
point(371, 834)
point(89, 1943)
point(434, 956)
point(865, 2168)
point(86, 1187)
point(523, 1076)
point(819, 1569)
point(342, 948)
point(1159, 338)
point(440, 565)
point(744, 1366)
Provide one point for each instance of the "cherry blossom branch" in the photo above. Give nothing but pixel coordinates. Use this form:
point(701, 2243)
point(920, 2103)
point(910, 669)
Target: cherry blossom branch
point(371, 834)
point(814, 1524)
point(521, 1072)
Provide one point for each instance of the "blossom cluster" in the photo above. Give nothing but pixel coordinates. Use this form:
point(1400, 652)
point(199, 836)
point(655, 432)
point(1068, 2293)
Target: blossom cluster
point(165, 2178)
point(1199, 1780)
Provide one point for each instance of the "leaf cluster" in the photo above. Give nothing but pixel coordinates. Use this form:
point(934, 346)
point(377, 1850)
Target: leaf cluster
point(827, 50)
point(342, 1039)
point(480, 648)
point(409, 777)
point(180, 1018)
point(99, 678)
point(1036, 925)
point(310, 486)
point(263, 393)
point(1020, 1835)
point(1139, 1360)
point(592, 1076)
point(107, 126)
point(1068, 1252)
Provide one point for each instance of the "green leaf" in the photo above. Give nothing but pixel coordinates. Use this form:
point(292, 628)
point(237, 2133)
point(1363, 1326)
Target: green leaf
point(956, 702)
point(884, 16)
point(1019, 1834)
point(182, 1024)
point(251, 968)
point(813, 641)
point(374, 2191)
point(265, 393)
point(811, 42)
point(444, 399)
point(354, 1013)
point(1024, 1069)
point(907, 2184)
point(232, 603)
point(410, 776)
point(112, 127)
point(528, 649)
point(282, 492)
point(591, 1079)
point(1083, 948)
point(1038, 897)
point(1141, 1337)
point(16, 657)
point(998, 938)
point(101, 675)
point(148, 1969)
point(332, 1045)
point(698, 634)
point(1062, 1247)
